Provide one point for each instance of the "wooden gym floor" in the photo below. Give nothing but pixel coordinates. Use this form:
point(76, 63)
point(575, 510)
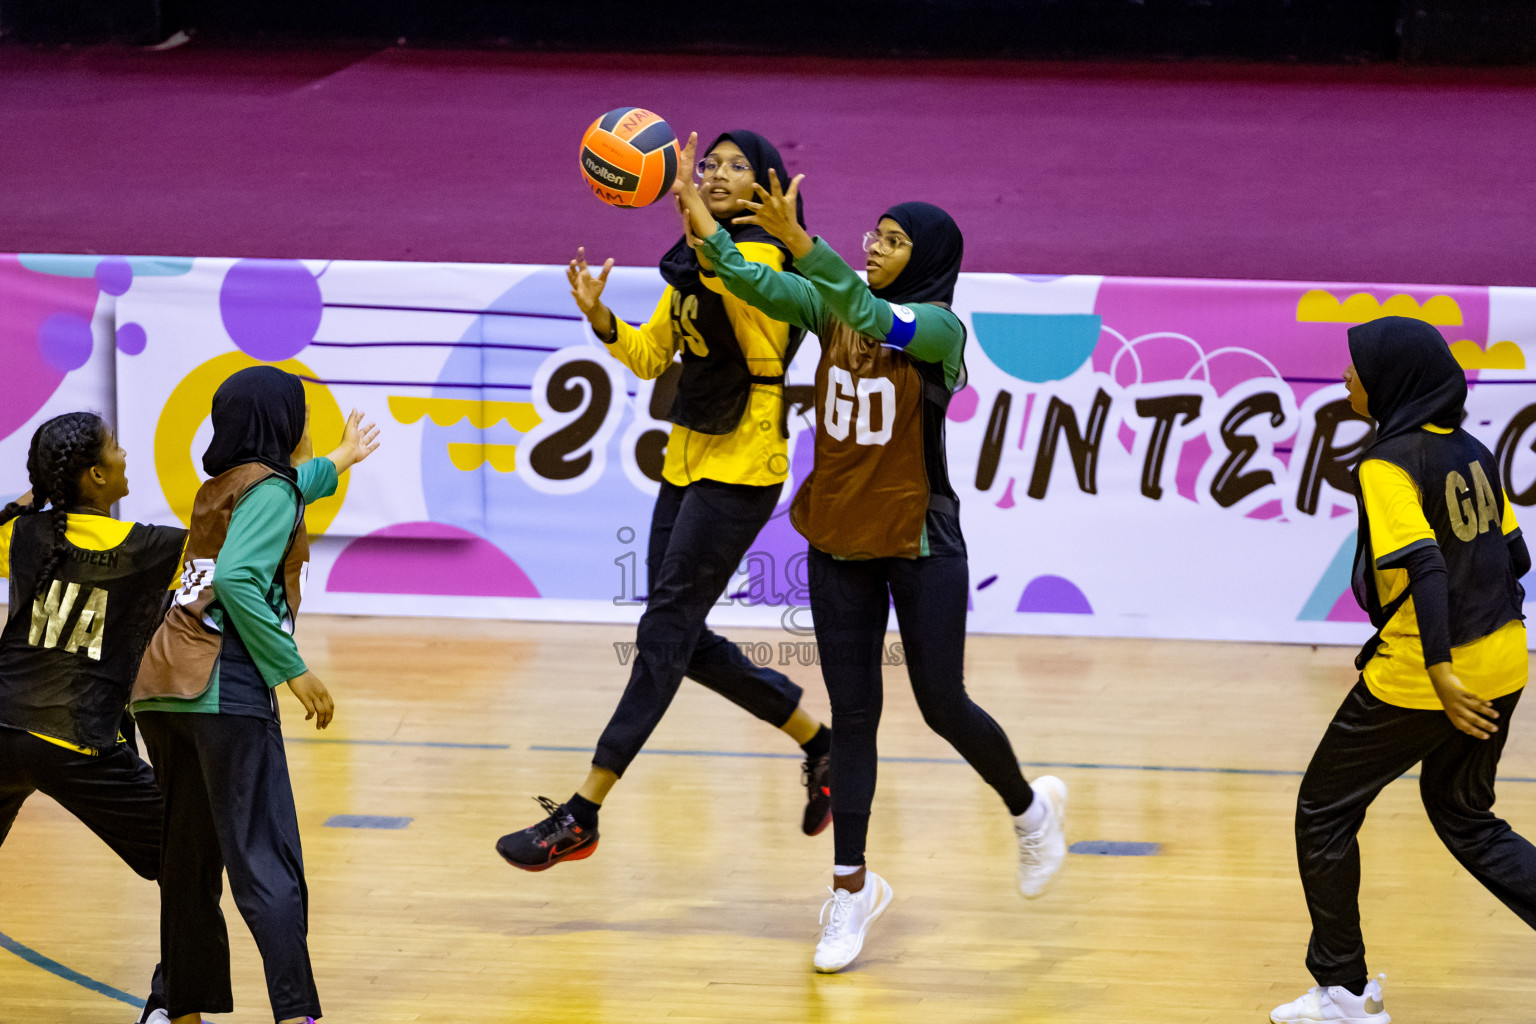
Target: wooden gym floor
point(701, 904)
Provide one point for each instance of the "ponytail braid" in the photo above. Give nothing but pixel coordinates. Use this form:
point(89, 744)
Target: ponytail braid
point(62, 449)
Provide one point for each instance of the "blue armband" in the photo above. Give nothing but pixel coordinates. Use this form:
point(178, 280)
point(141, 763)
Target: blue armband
point(903, 326)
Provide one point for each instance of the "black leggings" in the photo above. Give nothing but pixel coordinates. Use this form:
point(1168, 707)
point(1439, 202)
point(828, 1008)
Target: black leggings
point(699, 535)
point(1368, 744)
point(850, 602)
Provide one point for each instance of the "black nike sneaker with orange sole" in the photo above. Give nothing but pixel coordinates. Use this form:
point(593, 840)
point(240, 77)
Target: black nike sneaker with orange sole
point(543, 845)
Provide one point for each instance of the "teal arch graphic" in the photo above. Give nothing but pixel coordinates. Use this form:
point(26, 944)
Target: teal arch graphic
point(1037, 347)
point(85, 266)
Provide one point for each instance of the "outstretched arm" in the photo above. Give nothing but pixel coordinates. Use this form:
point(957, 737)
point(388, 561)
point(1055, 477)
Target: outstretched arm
point(784, 297)
point(923, 331)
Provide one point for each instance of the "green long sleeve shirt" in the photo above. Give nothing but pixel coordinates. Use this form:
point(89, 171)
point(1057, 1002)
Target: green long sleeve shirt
point(258, 652)
point(828, 288)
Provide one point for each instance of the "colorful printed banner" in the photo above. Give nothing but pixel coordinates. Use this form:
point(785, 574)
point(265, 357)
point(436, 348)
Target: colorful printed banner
point(1134, 457)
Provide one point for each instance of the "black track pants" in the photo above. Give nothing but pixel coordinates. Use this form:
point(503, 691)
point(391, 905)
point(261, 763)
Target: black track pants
point(229, 806)
point(1368, 744)
point(699, 535)
point(114, 794)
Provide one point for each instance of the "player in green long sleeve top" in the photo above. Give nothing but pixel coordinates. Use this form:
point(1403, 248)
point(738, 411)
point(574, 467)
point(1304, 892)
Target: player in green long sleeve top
point(251, 606)
point(883, 521)
point(205, 700)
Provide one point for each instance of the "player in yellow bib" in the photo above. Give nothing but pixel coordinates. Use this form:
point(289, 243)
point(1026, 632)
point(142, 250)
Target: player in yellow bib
point(85, 593)
point(1438, 562)
point(725, 464)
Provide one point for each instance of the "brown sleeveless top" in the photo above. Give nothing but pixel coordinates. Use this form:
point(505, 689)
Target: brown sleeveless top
point(868, 495)
point(185, 649)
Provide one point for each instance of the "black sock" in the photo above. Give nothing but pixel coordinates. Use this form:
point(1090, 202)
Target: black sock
point(583, 810)
point(819, 744)
point(1356, 987)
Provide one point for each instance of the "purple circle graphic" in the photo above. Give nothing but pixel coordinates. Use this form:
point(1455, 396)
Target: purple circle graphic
point(131, 339)
point(65, 340)
point(114, 275)
point(271, 308)
point(1054, 594)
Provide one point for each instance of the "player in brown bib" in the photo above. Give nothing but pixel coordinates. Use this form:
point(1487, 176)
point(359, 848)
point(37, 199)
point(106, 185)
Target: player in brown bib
point(882, 519)
point(204, 698)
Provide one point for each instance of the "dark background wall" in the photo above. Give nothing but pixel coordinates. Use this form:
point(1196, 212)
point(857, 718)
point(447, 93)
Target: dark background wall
point(1418, 31)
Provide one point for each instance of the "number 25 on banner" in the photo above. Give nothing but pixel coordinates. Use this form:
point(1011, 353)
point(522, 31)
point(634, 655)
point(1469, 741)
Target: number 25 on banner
point(580, 397)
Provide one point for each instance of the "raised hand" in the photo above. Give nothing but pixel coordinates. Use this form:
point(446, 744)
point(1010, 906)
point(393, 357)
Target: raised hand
point(586, 289)
point(698, 222)
point(358, 441)
point(683, 183)
point(774, 212)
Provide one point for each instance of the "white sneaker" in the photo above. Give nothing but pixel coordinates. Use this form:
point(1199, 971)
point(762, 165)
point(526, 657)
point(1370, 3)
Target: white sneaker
point(1336, 1004)
point(845, 919)
point(158, 1017)
point(1042, 852)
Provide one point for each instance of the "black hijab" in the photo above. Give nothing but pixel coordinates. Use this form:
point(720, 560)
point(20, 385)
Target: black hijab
point(934, 266)
point(680, 266)
point(1409, 375)
point(258, 416)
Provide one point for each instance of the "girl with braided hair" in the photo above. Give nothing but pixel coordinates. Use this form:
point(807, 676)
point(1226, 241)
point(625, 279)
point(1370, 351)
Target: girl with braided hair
point(85, 593)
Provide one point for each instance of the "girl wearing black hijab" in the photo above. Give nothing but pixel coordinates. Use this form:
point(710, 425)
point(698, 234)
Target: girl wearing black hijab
point(882, 519)
point(206, 699)
point(1438, 561)
point(724, 467)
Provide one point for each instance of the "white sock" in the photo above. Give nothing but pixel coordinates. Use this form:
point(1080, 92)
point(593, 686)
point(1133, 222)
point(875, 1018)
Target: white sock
point(1034, 818)
point(844, 870)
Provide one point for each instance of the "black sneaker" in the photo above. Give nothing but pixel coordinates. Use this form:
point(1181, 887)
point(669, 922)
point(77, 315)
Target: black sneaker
point(556, 838)
point(815, 773)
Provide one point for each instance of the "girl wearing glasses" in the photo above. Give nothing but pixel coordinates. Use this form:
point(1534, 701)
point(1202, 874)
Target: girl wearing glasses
point(725, 464)
point(881, 517)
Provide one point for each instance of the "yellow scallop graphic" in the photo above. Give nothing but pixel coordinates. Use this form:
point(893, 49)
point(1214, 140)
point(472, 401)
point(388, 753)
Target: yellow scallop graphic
point(191, 403)
point(1320, 306)
point(470, 457)
point(1501, 355)
point(445, 412)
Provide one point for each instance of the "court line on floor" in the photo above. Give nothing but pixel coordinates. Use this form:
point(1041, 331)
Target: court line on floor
point(397, 743)
point(37, 959)
point(1082, 765)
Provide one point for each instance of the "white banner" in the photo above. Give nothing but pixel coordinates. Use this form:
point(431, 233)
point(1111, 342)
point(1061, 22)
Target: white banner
point(1134, 457)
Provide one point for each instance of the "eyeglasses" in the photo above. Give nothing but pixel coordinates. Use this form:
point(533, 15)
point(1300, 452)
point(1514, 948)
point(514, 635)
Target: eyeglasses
point(885, 245)
point(732, 168)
